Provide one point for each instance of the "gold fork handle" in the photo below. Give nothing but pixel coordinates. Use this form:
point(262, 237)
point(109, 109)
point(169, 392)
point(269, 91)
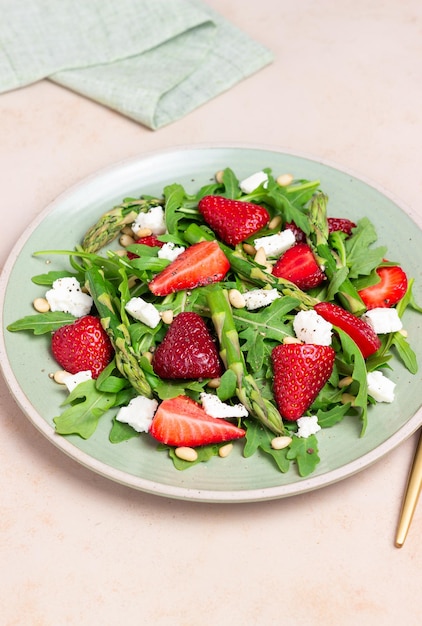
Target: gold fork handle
point(411, 496)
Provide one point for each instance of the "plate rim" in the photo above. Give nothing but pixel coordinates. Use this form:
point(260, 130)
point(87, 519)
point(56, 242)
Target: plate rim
point(186, 493)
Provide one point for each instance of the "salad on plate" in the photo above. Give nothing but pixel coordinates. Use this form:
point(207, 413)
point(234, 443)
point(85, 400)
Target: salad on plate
point(241, 315)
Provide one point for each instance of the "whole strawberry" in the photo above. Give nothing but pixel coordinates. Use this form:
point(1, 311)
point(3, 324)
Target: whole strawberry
point(82, 345)
point(232, 220)
point(300, 372)
point(149, 240)
point(187, 351)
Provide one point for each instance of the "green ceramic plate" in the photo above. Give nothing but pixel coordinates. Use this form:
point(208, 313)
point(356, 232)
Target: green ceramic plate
point(26, 361)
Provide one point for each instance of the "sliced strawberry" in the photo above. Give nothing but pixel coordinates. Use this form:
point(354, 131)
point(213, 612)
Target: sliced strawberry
point(300, 372)
point(299, 265)
point(388, 291)
point(200, 264)
point(82, 345)
point(362, 333)
point(149, 240)
point(233, 220)
point(340, 223)
point(181, 421)
point(187, 350)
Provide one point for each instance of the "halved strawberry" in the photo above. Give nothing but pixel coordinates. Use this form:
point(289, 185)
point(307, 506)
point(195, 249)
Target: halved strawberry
point(181, 421)
point(187, 350)
point(149, 240)
point(299, 265)
point(233, 220)
point(388, 291)
point(82, 345)
point(340, 223)
point(200, 264)
point(300, 372)
point(362, 333)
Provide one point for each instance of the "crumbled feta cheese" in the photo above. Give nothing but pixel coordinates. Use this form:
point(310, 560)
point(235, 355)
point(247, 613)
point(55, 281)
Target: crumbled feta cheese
point(138, 413)
point(310, 327)
point(307, 426)
point(276, 244)
point(169, 251)
point(214, 407)
point(152, 219)
point(252, 182)
point(143, 311)
point(66, 295)
point(380, 387)
point(256, 298)
point(72, 380)
point(383, 320)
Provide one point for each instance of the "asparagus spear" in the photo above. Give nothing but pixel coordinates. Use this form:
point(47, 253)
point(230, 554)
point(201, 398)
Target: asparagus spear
point(246, 388)
point(111, 223)
point(126, 358)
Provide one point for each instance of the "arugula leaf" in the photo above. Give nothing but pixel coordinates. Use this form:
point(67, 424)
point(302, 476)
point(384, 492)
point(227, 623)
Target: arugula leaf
point(205, 453)
point(87, 405)
point(121, 432)
point(42, 323)
point(48, 279)
point(259, 437)
point(231, 184)
point(361, 258)
point(353, 357)
point(304, 450)
point(174, 195)
point(227, 386)
point(405, 352)
point(332, 416)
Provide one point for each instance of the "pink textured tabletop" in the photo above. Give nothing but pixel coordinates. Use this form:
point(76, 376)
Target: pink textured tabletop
point(79, 549)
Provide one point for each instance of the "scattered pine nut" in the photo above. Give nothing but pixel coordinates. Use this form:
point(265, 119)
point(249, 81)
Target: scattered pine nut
point(148, 355)
point(167, 316)
point(127, 230)
point(225, 450)
point(284, 179)
point(219, 176)
point(126, 240)
point(278, 443)
point(143, 232)
point(287, 340)
point(345, 382)
point(120, 252)
point(348, 397)
point(260, 256)
point(249, 249)
point(403, 332)
point(236, 299)
point(214, 383)
point(186, 454)
point(41, 305)
point(275, 222)
point(59, 376)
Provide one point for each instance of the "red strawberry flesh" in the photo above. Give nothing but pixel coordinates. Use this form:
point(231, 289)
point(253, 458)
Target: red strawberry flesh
point(82, 345)
point(181, 421)
point(233, 220)
point(299, 265)
point(388, 291)
point(300, 372)
point(149, 240)
point(200, 264)
point(340, 223)
point(187, 351)
point(362, 333)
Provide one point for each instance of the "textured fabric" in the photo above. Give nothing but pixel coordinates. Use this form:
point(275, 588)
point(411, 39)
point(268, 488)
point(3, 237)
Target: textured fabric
point(152, 60)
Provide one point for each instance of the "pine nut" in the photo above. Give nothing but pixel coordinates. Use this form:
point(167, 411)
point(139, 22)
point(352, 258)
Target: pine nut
point(147, 355)
point(284, 179)
point(186, 454)
point(219, 176)
point(403, 332)
point(260, 256)
point(224, 451)
point(143, 232)
point(236, 299)
point(127, 230)
point(345, 382)
point(41, 305)
point(214, 383)
point(60, 376)
point(249, 249)
point(278, 443)
point(126, 240)
point(167, 316)
point(120, 252)
point(288, 340)
point(275, 222)
point(348, 397)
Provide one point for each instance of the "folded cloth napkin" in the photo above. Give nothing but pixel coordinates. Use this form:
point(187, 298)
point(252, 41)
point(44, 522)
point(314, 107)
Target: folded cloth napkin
point(152, 60)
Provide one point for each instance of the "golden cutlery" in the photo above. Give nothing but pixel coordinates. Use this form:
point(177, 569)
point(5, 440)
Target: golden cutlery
point(411, 496)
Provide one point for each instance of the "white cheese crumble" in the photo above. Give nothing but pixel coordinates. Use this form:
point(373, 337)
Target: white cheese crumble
point(152, 219)
point(380, 387)
point(170, 251)
point(275, 245)
point(310, 327)
point(252, 182)
point(307, 426)
point(138, 413)
point(72, 380)
point(66, 296)
point(383, 320)
point(214, 407)
point(256, 298)
point(143, 312)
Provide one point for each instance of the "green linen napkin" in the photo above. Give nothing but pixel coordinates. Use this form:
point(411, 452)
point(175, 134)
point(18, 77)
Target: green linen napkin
point(152, 60)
